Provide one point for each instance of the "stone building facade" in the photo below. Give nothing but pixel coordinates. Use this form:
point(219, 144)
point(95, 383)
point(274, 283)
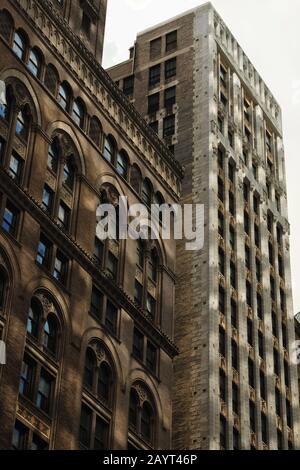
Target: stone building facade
point(235, 385)
point(88, 325)
point(297, 329)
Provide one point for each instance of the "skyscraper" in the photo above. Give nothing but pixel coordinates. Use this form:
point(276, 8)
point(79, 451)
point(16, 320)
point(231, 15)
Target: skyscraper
point(88, 324)
point(235, 384)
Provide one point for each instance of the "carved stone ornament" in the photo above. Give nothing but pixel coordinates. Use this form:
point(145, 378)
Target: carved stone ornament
point(48, 306)
point(142, 393)
point(99, 351)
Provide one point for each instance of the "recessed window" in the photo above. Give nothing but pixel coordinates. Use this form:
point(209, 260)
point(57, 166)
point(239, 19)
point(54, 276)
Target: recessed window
point(22, 124)
point(64, 96)
point(154, 126)
point(128, 85)
point(112, 265)
point(138, 293)
point(10, 219)
point(69, 174)
point(151, 357)
point(138, 345)
point(96, 302)
point(15, 167)
point(33, 319)
point(111, 317)
point(44, 252)
point(34, 62)
point(43, 399)
point(155, 48)
point(27, 376)
point(60, 267)
point(78, 113)
point(19, 45)
point(171, 41)
point(170, 97)
point(50, 336)
point(86, 24)
point(64, 215)
point(154, 75)
point(169, 126)
point(153, 103)
point(109, 150)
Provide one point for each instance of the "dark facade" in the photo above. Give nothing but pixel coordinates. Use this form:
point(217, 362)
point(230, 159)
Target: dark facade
point(88, 325)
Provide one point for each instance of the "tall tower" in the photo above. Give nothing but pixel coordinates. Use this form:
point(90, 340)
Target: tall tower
point(235, 383)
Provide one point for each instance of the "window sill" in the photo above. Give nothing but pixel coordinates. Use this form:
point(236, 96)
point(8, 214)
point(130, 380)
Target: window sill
point(11, 237)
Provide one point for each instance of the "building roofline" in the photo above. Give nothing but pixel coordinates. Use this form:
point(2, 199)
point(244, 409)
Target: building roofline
point(205, 6)
point(119, 64)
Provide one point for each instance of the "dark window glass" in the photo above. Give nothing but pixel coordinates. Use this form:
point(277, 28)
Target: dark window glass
point(78, 113)
point(48, 198)
point(171, 41)
point(286, 374)
point(51, 79)
point(96, 302)
point(138, 344)
point(104, 382)
point(263, 386)
point(234, 315)
point(221, 224)
point(111, 317)
point(154, 126)
point(151, 357)
point(249, 293)
point(69, 175)
point(122, 165)
point(27, 376)
point(236, 439)
point(154, 75)
point(260, 307)
point(89, 369)
point(289, 417)
point(128, 86)
point(85, 426)
point(278, 402)
point(3, 287)
point(222, 341)
point(112, 266)
point(151, 306)
point(98, 250)
point(10, 219)
point(60, 267)
point(43, 399)
point(153, 103)
point(64, 96)
point(169, 126)
point(222, 300)
point(170, 68)
point(233, 275)
point(250, 331)
point(101, 434)
point(231, 203)
point(34, 63)
point(64, 214)
point(276, 362)
point(251, 373)
point(252, 412)
point(50, 335)
point(235, 399)
point(170, 97)
point(264, 428)
point(53, 156)
point(44, 251)
point(133, 409)
point(155, 48)
point(19, 45)
point(222, 385)
point(86, 24)
point(146, 422)
point(38, 443)
point(138, 293)
point(95, 130)
point(20, 436)
point(261, 345)
point(15, 167)
point(33, 319)
point(274, 325)
point(223, 432)
point(234, 355)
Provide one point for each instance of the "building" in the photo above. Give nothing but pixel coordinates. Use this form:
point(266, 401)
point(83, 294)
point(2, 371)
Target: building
point(88, 325)
point(235, 386)
point(297, 329)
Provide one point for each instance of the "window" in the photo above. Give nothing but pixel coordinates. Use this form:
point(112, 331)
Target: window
point(154, 75)
point(3, 287)
point(50, 337)
point(222, 342)
point(85, 426)
point(101, 434)
point(69, 174)
point(34, 62)
point(246, 223)
point(53, 156)
point(280, 266)
point(138, 293)
point(6, 25)
point(276, 362)
point(278, 402)
point(263, 386)
point(155, 48)
point(171, 41)
point(43, 400)
point(27, 376)
point(38, 443)
point(96, 302)
point(233, 275)
point(64, 96)
point(153, 266)
point(236, 439)
point(286, 374)
point(19, 45)
point(234, 314)
point(147, 193)
point(44, 252)
point(231, 171)
point(112, 266)
point(95, 130)
point(221, 224)
point(222, 300)
point(170, 97)
point(289, 417)
point(272, 288)
point(223, 432)
point(222, 385)
point(78, 113)
point(151, 357)
point(109, 150)
point(138, 344)
point(232, 237)
point(48, 198)
point(264, 428)
point(261, 345)
point(122, 164)
point(231, 138)
point(10, 219)
point(51, 79)
point(260, 307)
point(86, 24)
point(15, 167)
point(63, 215)
point(221, 189)
point(235, 399)
point(249, 294)
point(220, 124)
point(274, 325)
point(231, 203)
point(2, 144)
point(169, 126)
point(154, 126)
point(247, 257)
point(258, 269)
point(151, 306)
point(284, 336)
point(135, 178)
point(60, 267)
point(22, 124)
point(141, 418)
point(111, 317)
point(271, 254)
point(279, 440)
point(170, 68)
point(153, 103)
point(98, 251)
point(221, 261)
point(104, 382)
point(250, 331)
point(234, 355)
point(89, 369)
point(252, 413)
point(128, 86)
point(20, 436)
point(257, 235)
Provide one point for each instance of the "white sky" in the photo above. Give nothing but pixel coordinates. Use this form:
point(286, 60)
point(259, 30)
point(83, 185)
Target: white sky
point(268, 31)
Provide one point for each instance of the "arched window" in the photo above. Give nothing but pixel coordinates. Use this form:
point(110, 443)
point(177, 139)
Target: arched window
point(35, 62)
point(23, 123)
point(89, 368)
point(159, 200)
point(33, 320)
point(109, 150)
point(53, 156)
point(4, 109)
point(19, 45)
point(122, 164)
point(6, 25)
point(64, 96)
point(136, 178)
point(104, 382)
point(147, 416)
point(95, 130)
point(50, 339)
point(78, 112)
point(3, 286)
point(51, 79)
point(133, 409)
point(147, 193)
point(69, 174)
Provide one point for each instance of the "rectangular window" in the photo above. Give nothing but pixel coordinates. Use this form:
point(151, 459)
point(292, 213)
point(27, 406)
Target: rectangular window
point(286, 374)
point(15, 167)
point(261, 345)
point(48, 198)
point(252, 412)
point(231, 204)
point(171, 41)
point(138, 345)
point(276, 362)
point(98, 250)
point(223, 432)
point(151, 357)
point(249, 294)
point(222, 342)
point(257, 235)
point(232, 238)
point(10, 219)
point(154, 75)
point(258, 269)
point(20, 436)
point(289, 418)
point(264, 428)
point(153, 103)
point(223, 76)
point(263, 386)
point(250, 331)
point(234, 355)
point(2, 144)
point(221, 261)
point(284, 336)
point(274, 325)
point(169, 126)
point(235, 399)
point(86, 23)
point(154, 126)
point(247, 257)
point(43, 399)
point(101, 434)
point(234, 318)
point(221, 189)
point(96, 302)
point(221, 224)
point(38, 443)
point(60, 270)
point(170, 68)
point(222, 385)
point(236, 439)
point(231, 138)
point(251, 373)
point(233, 275)
point(231, 172)
point(222, 300)
point(278, 402)
point(27, 377)
point(64, 215)
point(260, 307)
point(112, 265)
point(138, 293)
point(111, 317)
point(246, 222)
point(85, 426)
point(151, 306)
point(128, 85)
point(44, 251)
point(170, 97)
point(155, 48)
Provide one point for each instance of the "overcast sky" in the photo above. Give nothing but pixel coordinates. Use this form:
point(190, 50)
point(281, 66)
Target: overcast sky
point(268, 31)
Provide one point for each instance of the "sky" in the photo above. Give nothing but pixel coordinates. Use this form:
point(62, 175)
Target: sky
point(268, 31)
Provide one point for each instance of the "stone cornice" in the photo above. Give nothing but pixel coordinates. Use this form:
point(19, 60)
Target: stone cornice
point(97, 81)
point(73, 250)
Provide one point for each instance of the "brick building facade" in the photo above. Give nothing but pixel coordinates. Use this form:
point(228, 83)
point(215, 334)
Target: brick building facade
point(88, 325)
point(235, 384)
